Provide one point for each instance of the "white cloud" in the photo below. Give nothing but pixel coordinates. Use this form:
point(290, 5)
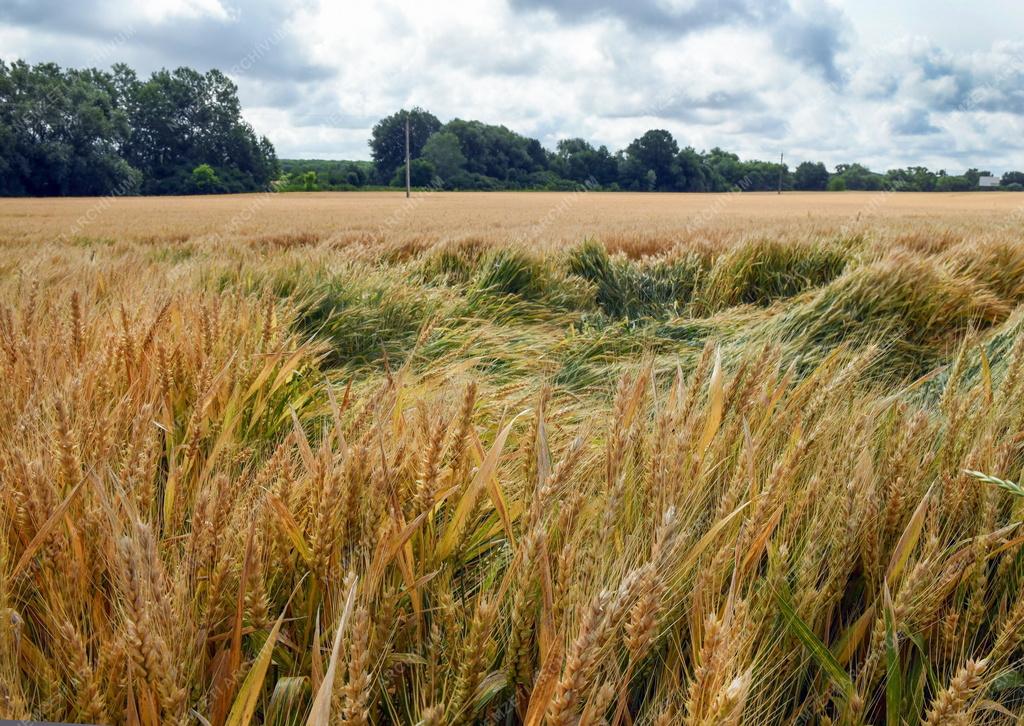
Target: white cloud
point(159, 11)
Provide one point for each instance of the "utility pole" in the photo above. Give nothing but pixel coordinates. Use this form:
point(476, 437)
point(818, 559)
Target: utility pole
point(781, 168)
point(408, 173)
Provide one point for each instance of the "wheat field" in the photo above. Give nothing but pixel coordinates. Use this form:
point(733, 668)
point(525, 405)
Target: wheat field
point(512, 458)
point(635, 223)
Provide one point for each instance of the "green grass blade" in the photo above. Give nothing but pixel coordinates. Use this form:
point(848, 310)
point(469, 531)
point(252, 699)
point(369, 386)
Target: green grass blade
point(893, 675)
point(818, 650)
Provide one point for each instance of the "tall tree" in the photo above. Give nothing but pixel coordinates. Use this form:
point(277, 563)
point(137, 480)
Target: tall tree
point(727, 167)
point(442, 150)
point(859, 177)
point(387, 143)
point(60, 132)
point(810, 176)
point(182, 119)
point(497, 152)
point(911, 179)
point(92, 132)
point(579, 161)
point(692, 174)
point(656, 152)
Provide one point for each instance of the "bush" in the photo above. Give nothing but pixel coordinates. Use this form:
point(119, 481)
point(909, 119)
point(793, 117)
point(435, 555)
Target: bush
point(421, 174)
point(469, 180)
point(205, 180)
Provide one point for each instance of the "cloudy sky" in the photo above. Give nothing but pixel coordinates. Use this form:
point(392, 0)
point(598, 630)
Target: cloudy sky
point(884, 82)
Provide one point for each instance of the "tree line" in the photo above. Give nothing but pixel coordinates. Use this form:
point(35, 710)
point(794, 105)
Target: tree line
point(473, 155)
point(92, 132)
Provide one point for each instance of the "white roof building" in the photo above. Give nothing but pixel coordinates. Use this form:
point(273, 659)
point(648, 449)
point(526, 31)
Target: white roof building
point(988, 181)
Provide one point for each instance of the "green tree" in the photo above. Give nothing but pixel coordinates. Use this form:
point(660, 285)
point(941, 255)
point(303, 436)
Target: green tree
point(860, 178)
point(632, 175)
point(810, 176)
point(579, 161)
point(182, 118)
point(911, 179)
point(421, 174)
point(656, 152)
point(837, 184)
point(442, 150)
point(692, 174)
point(726, 167)
point(61, 132)
point(205, 180)
point(332, 173)
point(387, 142)
point(954, 183)
point(497, 153)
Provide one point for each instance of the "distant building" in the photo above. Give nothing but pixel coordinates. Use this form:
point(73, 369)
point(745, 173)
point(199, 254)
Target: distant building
point(988, 181)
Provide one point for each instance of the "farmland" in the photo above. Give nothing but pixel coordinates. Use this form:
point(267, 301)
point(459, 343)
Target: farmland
point(512, 458)
point(540, 218)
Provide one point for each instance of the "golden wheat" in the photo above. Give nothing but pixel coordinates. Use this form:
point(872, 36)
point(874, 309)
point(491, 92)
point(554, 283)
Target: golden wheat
point(328, 483)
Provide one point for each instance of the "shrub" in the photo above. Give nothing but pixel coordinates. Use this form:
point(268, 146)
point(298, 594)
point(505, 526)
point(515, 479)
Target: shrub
point(421, 174)
point(837, 184)
point(205, 180)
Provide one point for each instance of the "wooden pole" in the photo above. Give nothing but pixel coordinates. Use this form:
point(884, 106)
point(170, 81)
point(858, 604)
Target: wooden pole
point(781, 167)
point(408, 171)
